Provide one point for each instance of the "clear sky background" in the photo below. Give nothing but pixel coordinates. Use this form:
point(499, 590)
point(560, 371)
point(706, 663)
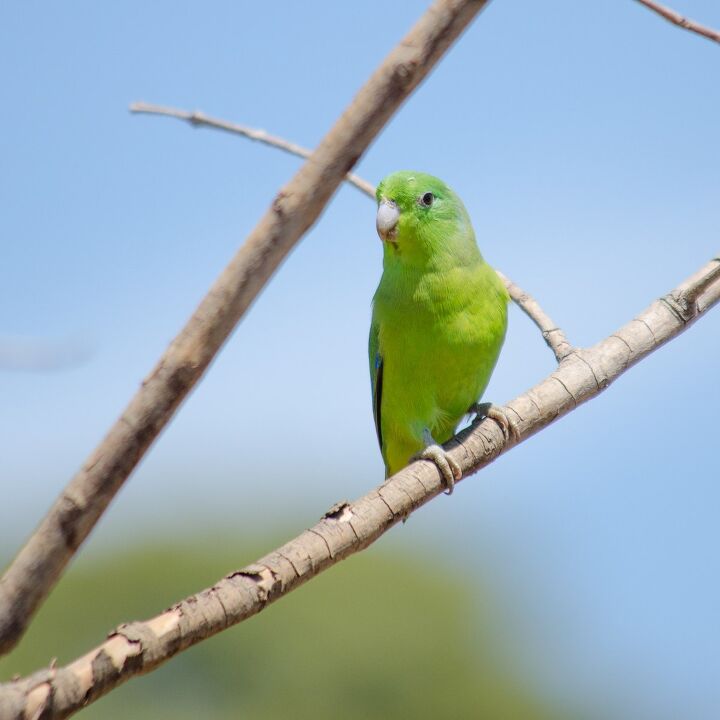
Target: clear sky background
point(585, 141)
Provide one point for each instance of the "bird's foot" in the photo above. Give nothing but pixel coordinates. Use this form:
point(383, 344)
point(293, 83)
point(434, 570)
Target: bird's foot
point(500, 416)
point(449, 469)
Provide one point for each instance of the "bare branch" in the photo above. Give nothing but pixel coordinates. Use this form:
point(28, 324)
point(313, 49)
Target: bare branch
point(553, 335)
point(297, 206)
point(683, 22)
point(199, 119)
point(347, 528)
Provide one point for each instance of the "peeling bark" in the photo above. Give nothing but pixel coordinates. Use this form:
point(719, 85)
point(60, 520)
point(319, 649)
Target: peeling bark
point(349, 527)
point(297, 206)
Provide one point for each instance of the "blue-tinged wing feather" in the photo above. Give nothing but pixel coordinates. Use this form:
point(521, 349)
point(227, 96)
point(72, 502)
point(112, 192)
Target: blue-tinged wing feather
point(376, 380)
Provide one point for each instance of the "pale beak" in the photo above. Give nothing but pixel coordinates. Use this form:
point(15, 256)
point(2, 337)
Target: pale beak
point(387, 220)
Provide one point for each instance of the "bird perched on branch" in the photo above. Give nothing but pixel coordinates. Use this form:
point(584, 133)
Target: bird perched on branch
point(438, 323)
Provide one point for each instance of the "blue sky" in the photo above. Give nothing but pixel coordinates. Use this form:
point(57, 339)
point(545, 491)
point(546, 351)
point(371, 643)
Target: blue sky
point(584, 139)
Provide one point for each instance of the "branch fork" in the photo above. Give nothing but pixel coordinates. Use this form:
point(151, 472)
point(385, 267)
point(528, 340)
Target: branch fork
point(39, 564)
point(348, 527)
point(139, 647)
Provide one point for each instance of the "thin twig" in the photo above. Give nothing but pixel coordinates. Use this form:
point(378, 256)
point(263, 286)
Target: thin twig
point(683, 22)
point(347, 528)
point(199, 119)
point(297, 206)
point(553, 335)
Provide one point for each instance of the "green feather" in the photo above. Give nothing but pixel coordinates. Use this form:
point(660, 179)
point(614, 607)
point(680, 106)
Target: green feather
point(439, 319)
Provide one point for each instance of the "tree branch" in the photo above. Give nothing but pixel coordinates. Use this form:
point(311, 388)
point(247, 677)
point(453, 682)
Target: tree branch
point(683, 22)
point(297, 206)
point(553, 335)
point(139, 647)
point(199, 119)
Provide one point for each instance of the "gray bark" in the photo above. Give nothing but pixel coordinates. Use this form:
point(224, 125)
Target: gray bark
point(39, 564)
point(347, 528)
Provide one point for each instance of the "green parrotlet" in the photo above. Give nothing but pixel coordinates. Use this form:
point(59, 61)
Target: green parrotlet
point(438, 323)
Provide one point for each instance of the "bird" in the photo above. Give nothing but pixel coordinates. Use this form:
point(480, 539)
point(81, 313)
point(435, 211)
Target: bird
point(439, 318)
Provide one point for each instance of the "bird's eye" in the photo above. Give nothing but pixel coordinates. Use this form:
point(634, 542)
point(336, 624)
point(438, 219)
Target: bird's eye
point(427, 199)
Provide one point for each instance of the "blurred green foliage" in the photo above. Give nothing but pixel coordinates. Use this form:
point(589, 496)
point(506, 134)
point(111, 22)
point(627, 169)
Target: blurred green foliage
point(379, 636)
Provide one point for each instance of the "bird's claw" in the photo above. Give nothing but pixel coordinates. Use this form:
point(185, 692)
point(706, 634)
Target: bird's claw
point(500, 416)
point(449, 469)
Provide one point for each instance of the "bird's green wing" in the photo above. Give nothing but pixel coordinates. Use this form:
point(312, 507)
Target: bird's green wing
point(376, 378)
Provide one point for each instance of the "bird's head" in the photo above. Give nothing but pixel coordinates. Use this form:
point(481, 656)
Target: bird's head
point(420, 217)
